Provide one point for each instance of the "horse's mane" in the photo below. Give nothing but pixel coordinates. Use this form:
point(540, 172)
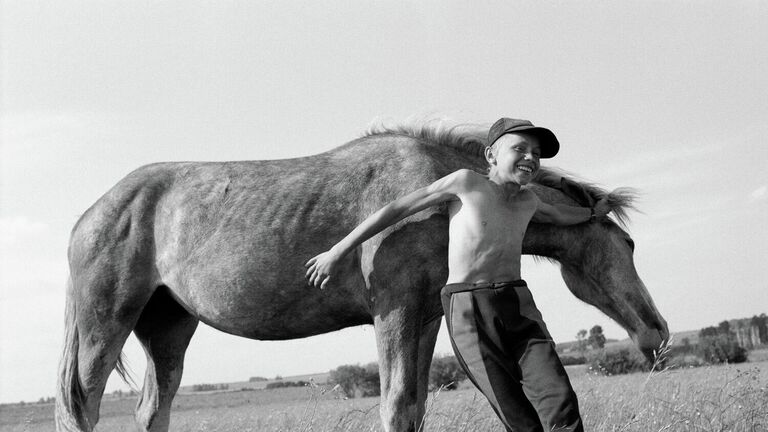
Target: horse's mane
point(620, 200)
point(467, 138)
point(471, 139)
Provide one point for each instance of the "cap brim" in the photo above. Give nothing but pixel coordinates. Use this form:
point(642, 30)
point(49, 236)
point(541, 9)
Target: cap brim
point(548, 143)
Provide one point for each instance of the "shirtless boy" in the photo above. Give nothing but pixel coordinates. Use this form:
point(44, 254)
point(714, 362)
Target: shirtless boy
point(495, 328)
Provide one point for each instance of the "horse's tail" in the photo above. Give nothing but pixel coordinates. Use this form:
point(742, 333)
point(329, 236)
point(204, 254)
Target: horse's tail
point(70, 396)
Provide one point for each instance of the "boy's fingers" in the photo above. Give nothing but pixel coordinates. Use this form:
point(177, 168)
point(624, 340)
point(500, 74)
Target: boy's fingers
point(310, 262)
point(311, 269)
point(325, 282)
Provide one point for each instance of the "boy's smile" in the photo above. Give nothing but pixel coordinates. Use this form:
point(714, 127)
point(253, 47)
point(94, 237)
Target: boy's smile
point(514, 158)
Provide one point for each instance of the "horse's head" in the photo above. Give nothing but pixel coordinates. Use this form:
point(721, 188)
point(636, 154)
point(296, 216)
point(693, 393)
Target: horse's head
point(597, 259)
point(600, 270)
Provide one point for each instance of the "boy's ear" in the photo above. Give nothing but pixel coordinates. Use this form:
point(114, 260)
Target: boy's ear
point(489, 156)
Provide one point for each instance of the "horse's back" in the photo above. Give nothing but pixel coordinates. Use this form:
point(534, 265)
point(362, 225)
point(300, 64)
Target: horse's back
point(230, 239)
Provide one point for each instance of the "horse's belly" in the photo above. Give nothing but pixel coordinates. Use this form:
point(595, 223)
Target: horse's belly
point(239, 303)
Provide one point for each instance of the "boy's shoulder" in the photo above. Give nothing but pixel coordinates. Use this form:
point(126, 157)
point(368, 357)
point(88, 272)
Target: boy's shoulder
point(468, 177)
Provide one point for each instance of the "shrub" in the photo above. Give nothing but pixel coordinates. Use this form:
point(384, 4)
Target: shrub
point(685, 361)
point(445, 372)
point(573, 360)
point(618, 362)
point(356, 380)
point(721, 348)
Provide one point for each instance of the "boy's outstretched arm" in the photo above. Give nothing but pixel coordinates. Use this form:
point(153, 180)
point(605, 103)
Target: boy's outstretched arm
point(560, 214)
point(320, 268)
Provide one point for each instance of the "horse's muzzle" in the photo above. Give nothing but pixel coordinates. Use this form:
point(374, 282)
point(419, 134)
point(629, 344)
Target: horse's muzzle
point(650, 340)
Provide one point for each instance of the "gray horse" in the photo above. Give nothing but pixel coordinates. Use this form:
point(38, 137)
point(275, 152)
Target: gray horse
point(173, 244)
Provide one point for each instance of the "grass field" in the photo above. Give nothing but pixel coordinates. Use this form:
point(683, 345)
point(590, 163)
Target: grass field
point(730, 398)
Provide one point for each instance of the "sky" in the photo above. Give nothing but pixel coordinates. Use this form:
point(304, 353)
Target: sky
point(670, 98)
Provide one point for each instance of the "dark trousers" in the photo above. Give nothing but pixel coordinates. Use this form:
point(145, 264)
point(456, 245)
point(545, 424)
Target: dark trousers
point(502, 343)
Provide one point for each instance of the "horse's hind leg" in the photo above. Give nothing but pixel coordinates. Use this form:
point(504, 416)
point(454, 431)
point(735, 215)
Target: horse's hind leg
point(164, 330)
point(99, 320)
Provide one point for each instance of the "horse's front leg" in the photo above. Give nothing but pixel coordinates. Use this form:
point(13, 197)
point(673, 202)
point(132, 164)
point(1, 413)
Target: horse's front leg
point(427, 341)
point(397, 339)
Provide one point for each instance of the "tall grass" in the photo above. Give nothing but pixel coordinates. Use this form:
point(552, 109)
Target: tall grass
point(723, 398)
point(731, 398)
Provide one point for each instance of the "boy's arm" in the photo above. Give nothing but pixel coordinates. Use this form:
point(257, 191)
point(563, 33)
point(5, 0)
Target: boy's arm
point(320, 268)
point(560, 214)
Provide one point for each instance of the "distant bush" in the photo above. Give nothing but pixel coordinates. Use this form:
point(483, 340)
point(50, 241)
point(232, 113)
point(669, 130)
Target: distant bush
point(356, 380)
point(257, 379)
point(209, 387)
point(618, 362)
point(446, 372)
point(683, 361)
point(721, 348)
point(573, 360)
point(282, 384)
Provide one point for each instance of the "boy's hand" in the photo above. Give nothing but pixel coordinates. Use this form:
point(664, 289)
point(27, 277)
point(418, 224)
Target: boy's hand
point(602, 208)
point(320, 269)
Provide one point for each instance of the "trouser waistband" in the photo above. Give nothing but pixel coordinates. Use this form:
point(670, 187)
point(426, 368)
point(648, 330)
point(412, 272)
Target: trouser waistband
point(461, 287)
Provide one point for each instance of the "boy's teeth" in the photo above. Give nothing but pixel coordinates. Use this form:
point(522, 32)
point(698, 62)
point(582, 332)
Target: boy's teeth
point(524, 168)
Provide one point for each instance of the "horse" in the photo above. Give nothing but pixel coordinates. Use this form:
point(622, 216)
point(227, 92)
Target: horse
point(224, 243)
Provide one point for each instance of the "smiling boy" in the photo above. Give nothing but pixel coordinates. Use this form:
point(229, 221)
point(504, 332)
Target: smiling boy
point(495, 328)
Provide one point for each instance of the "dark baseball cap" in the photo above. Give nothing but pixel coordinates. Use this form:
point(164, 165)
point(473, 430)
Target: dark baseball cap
point(547, 140)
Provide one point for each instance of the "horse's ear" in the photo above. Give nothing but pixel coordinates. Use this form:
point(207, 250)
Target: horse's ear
point(577, 192)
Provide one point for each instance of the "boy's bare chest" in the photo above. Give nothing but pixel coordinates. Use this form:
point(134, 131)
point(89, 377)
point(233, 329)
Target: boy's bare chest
point(488, 212)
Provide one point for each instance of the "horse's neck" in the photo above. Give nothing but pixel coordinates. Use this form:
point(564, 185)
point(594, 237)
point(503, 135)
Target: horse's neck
point(564, 244)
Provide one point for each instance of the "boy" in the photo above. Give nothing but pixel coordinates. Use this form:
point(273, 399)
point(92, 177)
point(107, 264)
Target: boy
point(495, 328)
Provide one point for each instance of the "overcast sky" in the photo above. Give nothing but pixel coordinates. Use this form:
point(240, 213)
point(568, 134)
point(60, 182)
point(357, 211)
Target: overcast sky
point(667, 97)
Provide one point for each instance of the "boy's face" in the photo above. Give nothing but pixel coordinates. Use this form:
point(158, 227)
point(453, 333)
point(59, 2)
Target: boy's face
point(515, 157)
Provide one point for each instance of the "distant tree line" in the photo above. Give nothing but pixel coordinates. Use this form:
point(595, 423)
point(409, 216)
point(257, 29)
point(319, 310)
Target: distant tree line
point(748, 333)
point(281, 384)
point(728, 342)
point(119, 393)
point(209, 387)
point(722, 344)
